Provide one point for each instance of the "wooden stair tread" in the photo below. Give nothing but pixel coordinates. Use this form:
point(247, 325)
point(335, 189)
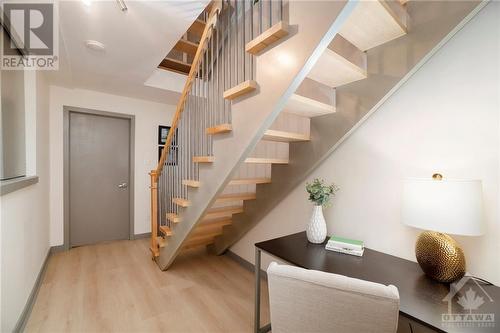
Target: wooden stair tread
point(161, 241)
point(186, 46)
point(240, 90)
point(222, 212)
point(236, 197)
point(268, 37)
point(181, 202)
point(191, 183)
point(219, 129)
point(283, 136)
point(307, 107)
point(265, 160)
point(203, 242)
point(249, 181)
point(172, 217)
point(332, 62)
point(215, 223)
point(344, 59)
point(203, 159)
point(175, 66)
point(373, 23)
point(199, 236)
point(166, 230)
point(197, 27)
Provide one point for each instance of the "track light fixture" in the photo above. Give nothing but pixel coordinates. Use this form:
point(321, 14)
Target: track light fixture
point(122, 5)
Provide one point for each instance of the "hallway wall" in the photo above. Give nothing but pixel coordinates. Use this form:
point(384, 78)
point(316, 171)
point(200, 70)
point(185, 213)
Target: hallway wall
point(148, 115)
point(25, 212)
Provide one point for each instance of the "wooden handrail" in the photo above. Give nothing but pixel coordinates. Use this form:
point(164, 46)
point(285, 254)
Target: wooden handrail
point(207, 33)
point(215, 7)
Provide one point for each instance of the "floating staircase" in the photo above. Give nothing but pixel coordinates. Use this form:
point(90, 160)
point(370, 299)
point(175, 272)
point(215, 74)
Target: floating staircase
point(270, 92)
point(376, 58)
point(219, 128)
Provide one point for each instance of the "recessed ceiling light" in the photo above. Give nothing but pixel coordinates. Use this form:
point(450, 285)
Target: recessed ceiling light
point(95, 45)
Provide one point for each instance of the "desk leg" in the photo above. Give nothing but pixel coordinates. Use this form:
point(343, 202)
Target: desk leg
point(257, 291)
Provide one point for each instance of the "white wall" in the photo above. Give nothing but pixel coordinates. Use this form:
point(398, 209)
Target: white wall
point(445, 119)
point(25, 215)
point(148, 115)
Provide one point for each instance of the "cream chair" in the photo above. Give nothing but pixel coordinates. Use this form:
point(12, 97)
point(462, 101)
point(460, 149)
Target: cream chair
point(312, 301)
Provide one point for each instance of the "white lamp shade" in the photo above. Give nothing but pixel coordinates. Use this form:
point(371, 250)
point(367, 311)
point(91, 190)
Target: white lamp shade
point(448, 206)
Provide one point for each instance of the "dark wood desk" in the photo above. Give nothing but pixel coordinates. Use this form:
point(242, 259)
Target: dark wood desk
point(421, 299)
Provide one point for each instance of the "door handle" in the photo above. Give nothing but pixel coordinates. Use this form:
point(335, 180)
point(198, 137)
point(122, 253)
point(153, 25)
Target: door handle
point(123, 185)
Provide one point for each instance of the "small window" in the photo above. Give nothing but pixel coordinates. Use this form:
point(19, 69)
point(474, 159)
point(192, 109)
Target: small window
point(12, 122)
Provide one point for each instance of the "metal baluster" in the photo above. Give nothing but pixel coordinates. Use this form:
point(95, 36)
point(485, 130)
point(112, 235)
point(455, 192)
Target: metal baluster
point(281, 10)
point(260, 16)
point(211, 99)
point(251, 37)
point(217, 115)
point(270, 13)
point(205, 72)
point(244, 14)
point(236, 43)
point(212, 80)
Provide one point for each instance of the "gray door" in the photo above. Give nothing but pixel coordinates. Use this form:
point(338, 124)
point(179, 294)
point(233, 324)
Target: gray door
point(99, 169)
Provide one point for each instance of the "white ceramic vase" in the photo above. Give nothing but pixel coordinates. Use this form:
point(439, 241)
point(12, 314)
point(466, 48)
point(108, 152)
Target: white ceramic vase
point(316, 229)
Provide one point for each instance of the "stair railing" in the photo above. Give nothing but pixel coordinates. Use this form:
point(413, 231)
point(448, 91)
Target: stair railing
point(220, 63)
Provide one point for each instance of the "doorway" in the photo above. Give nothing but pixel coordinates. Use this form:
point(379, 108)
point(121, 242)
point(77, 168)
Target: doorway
point(98, 176)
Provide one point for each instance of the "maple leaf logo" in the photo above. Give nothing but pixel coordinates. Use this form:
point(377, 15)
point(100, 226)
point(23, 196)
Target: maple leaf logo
point(470, 301)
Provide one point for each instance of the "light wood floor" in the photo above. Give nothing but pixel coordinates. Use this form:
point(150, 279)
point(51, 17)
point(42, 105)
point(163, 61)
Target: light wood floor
point(116, 287)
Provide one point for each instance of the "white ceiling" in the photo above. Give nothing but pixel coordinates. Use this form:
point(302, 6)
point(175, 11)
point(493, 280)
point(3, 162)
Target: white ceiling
point(136, 41)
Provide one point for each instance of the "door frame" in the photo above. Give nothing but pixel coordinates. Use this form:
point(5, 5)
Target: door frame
point(66, 112)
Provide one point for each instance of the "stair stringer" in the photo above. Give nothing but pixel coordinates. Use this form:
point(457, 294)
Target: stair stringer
point(254, 113)
point(389, 66)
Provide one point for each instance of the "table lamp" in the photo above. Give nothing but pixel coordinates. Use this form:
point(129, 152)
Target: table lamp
point(442, 206)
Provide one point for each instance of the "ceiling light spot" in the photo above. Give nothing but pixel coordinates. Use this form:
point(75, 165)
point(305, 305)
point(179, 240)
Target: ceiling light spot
point(87, 3)
point(95, 45)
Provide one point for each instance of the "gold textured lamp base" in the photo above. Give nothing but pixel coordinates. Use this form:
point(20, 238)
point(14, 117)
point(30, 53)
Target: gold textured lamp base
point(440, 256)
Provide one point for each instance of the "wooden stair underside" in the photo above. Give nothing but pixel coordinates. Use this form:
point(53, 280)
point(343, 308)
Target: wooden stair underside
point(235, 197)
point(341, 63)
point(283, 136)
point(249, 181)
point(265, 160)
point(176, 66)
point(373, 23)
point(269, 135)
point(223, 212)
point(205, 233)
point(307, 107)
point(197, 27)
point(399, 59)
point(186, 46)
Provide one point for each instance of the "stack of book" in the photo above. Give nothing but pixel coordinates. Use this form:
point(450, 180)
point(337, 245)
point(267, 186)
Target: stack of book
point(345, 245)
